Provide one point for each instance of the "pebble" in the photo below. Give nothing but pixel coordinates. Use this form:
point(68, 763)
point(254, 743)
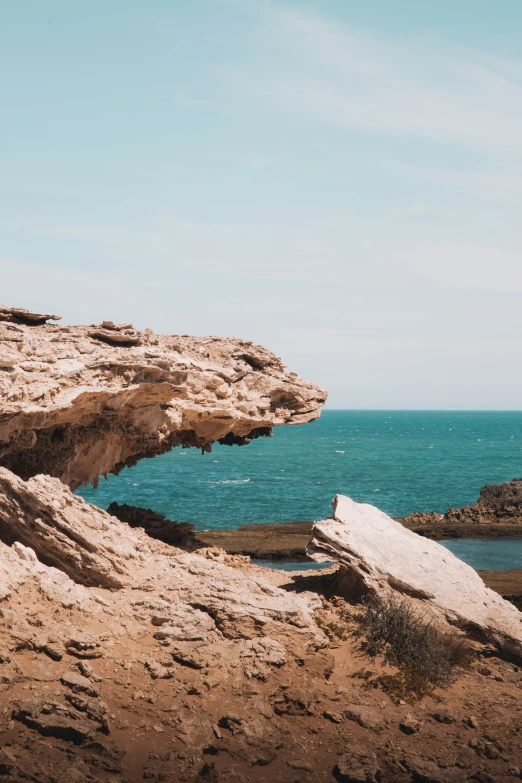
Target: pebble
point(410, 725)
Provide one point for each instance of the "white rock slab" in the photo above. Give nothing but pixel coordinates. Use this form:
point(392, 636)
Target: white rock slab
point(382, 554)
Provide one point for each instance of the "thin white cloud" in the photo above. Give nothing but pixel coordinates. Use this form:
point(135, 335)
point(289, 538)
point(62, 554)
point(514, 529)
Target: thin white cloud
point(350, 78)
point(490, 183)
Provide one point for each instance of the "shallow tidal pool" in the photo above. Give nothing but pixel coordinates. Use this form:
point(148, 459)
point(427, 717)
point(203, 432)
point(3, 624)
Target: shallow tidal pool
point(487, 554)
point(483, 554)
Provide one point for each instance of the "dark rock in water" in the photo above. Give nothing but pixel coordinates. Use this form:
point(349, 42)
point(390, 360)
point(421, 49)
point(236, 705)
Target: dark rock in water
point(497, 512)
point(155, 525)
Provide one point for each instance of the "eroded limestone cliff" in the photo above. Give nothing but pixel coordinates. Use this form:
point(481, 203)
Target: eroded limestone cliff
point(79, 402)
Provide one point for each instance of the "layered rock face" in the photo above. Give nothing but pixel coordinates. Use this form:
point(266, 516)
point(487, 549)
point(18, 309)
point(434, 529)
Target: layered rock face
point(95, 549)
point(83, 596)
point(82, 401)
point(379, 554)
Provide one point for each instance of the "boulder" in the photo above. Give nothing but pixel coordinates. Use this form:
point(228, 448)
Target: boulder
point(379, 554)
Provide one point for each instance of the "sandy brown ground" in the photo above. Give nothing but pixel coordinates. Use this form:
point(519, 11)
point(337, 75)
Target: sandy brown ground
point(321, 716)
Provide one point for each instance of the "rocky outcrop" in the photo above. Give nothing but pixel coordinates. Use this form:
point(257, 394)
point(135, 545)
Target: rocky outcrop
point(19, 315)
point(193, 671)
point(155, 525)
point(379, 554)
point(95, 549)
point(497, 512)
point(79, 402)
point(82, 596)
point(125, 658)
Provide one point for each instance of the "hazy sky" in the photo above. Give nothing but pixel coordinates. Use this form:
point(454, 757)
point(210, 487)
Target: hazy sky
point(339, 180)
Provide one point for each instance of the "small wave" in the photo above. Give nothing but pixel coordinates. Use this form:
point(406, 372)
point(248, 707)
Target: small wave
point(135, 485)
point(339, 452)
point(233, 481)
point(376, 490)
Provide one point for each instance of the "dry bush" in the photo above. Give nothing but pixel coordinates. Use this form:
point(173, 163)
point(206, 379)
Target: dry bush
point(425, 654)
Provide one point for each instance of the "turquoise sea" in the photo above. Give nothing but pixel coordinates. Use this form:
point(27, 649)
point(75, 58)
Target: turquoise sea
point(400, 461)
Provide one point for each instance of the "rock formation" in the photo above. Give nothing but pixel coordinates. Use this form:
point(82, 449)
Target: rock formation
point(497, 512)
point(124, 658)
point(82, 401)
point(82, 596)
point(377, 554)
point(155, 525)
point(194, 667)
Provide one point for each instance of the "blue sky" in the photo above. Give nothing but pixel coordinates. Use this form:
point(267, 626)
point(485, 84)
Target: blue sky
point(340, 181)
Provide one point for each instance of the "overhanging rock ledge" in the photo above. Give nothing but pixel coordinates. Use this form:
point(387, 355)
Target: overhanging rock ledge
point(78, 402)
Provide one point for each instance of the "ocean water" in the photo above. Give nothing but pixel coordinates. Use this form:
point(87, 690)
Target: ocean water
point(399, 461)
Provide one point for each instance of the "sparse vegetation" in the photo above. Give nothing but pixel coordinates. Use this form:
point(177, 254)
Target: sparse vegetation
point(332, 629)
point(425, 654)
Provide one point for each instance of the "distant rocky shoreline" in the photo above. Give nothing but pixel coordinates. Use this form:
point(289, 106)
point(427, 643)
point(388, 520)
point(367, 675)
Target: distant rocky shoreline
point(497, 513)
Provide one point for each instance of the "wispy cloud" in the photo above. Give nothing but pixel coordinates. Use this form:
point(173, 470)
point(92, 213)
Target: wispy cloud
point(351, 78)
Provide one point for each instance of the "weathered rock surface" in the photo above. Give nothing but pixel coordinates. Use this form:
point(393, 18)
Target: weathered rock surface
point(193, 670)
point(96, 549)
point(82, 401)
point(497, 512)
point(377, 553)
point(19, 315)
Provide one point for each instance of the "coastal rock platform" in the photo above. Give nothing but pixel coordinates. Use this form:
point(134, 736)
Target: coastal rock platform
point(124, 657)
point(497, 513)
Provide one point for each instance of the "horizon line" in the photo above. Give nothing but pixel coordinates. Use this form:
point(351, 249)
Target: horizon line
point(423, 410)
